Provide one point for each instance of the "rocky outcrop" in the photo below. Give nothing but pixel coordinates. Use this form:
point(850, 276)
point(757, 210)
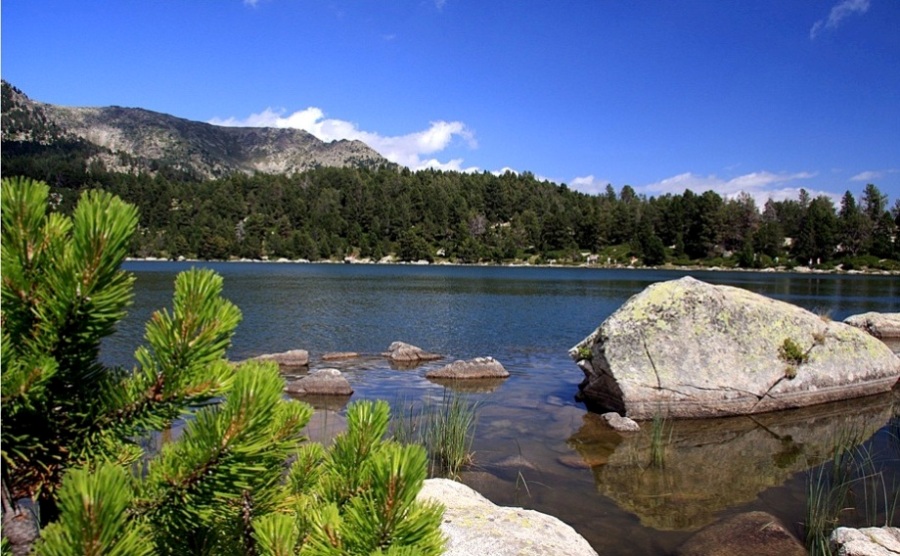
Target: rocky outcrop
point(323, 382)
point(872, 541)
point(685, 348)
point(749, 534)
point(288, 359)
point(880, 325)
point(401, 352)
point(471, 369)
point(475, 525)
point(138, 140)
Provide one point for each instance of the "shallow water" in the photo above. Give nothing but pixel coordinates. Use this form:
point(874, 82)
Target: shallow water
point(535, 446)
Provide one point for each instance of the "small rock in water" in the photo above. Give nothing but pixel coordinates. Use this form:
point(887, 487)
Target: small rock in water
point(406, 353)
point(323, 382)
point(289, 359)
point(619, 423)
point(337, 355)
point(478, 368)
point(749, 534)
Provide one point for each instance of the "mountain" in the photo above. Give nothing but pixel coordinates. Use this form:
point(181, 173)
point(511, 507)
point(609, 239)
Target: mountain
point(137, 140)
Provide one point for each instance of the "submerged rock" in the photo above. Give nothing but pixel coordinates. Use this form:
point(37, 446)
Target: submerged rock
point(287, 359)
point(685, 348)
point(401, 352)
point(323, 382)
point(880, 325)
point(475, 525)
point(871, 541)
point(472, 369)
point(619, 423)
point(749, 534)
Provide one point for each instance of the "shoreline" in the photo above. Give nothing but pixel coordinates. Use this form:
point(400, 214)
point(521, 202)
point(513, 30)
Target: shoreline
point(780, 270)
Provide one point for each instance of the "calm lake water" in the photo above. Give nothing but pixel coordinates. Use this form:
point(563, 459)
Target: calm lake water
point(535, 446)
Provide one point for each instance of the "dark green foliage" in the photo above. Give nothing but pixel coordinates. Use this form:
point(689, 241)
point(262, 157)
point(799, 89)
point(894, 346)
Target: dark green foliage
point(332, 213)
point(72, 429)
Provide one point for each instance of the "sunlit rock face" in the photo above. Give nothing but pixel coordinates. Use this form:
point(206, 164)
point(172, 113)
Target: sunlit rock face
point(688, 349)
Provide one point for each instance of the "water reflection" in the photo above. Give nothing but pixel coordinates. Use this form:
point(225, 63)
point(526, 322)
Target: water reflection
point(713, 464)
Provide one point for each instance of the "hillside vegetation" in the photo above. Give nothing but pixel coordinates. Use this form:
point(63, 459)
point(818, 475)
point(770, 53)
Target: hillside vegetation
point(366, 208)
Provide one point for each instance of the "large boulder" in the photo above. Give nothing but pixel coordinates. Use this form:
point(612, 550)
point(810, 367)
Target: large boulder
point(475, 525)
point(472, 369)
point(880, 325)
point(871, 541)
point(685, 348)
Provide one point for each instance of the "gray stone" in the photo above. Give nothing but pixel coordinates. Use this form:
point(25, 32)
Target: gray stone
point(287, 359)
point(691, 349)
point(472, 369)
point(338, 355)
point(880, 325)
point(475, 525)
point(749, 534)
point(323, 382)
point(402, 352)
point(872, 541)
point(619, 423)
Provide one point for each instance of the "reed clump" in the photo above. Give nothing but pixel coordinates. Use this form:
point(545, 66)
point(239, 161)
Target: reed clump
point(446, 430)
point(850, 489)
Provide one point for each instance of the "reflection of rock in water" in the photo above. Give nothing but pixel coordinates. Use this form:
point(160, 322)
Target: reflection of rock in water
point(714, 464)
point(329, 403)
point(324, 425)
point(470, 385)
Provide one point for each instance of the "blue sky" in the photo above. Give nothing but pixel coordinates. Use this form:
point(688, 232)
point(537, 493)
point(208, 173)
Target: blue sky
point(763, 96)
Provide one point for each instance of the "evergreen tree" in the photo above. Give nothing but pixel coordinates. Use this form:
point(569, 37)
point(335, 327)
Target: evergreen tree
point(72, 428)
point(852, 229)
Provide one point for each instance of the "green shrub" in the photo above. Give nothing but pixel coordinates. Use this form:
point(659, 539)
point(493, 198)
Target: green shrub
point(792, 353)
point(71, 427)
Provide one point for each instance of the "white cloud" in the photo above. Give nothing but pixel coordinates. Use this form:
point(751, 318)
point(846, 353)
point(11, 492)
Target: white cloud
point(838, 13)
point(761, 185)
point(589, 184)
point(867, 176)
point(406, 150)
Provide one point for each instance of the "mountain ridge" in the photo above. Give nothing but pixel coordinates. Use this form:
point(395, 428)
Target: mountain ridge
point(136, 139)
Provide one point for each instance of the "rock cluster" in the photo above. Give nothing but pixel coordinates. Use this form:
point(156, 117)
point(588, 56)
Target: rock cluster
point(686, 348)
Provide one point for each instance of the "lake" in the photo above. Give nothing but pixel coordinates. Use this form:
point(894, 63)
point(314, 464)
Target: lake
point(535, 446)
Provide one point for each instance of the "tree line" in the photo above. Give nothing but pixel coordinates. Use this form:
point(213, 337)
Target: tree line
point(370, 213)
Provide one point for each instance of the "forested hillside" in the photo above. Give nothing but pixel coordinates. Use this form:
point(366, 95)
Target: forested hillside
point(359, 206)
point(333, 213)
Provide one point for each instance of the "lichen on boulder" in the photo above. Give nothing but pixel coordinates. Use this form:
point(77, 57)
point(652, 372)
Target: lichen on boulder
point(685, 348)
